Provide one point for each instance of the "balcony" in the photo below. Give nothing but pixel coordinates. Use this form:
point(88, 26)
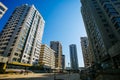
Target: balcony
point(3, 59)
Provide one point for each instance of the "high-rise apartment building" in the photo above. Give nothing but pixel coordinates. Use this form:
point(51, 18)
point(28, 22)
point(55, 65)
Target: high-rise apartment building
point(102, 23)
point(47, 57)
point(73, 57)
point(57, 47)
point(63, 62)
point(85, 51)
point(20, 39)
point(3, 9)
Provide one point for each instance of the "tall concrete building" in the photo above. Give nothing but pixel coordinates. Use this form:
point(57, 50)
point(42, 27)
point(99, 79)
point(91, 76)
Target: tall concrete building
point(3, 9)
point(85, 51)
point(63, 62)
point(73, 57)
point(47, 57)
point(57, 47)
point(20, 39)
point(102, 23)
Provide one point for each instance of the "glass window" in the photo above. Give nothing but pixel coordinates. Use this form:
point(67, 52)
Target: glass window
point(14, 59)
point(117, 25)
point(116, 19)
point(1, 8)
point(103, 1)
point(108, 6)
point(106, 25)
point(113, 0)
point(16, 54)
point(111, 10)
point(0, 12)
point(118, 3)
point(113, 14)
point(111, 36)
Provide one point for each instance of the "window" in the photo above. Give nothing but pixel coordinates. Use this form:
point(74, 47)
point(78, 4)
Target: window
point(113, 0)
point(103, 20)
point(116, 19)
point(108, 6)
point(1, 8)
point(3, 48)
point(9, 54)
point(99, 12)
point(113, 14)
point(106, 25)
point(23, 61)
point(14, 59)
point(0, 12)
point(117, 25)
point(111, 36)
point(118, 31)
point(16, 54)
point(111, 10)
point(28, 62)
point(18, 50)
point(24, 55)
point(107, 30)
point(118, 3)
point(104, 1)
point(100, 16)
point(97, 8)
point(20, 46)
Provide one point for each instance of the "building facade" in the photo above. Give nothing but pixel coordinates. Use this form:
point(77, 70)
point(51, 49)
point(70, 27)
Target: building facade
point(63, 62)
point(47, 57)
point(57, 47)
point(3, 9)
point(21, 37)
point(73, 57)
point(85, 51)
point(102, 23)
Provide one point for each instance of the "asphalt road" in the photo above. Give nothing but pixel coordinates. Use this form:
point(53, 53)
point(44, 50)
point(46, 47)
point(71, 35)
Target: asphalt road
point(73, 76)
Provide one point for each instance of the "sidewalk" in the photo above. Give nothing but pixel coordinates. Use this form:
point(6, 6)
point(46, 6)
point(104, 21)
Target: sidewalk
point(29, 75)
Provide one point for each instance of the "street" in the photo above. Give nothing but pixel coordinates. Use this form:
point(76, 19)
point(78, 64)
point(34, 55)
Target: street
point(41, 76)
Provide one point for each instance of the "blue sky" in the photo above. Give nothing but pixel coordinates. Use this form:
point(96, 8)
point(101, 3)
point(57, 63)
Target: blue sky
point(63, 22)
